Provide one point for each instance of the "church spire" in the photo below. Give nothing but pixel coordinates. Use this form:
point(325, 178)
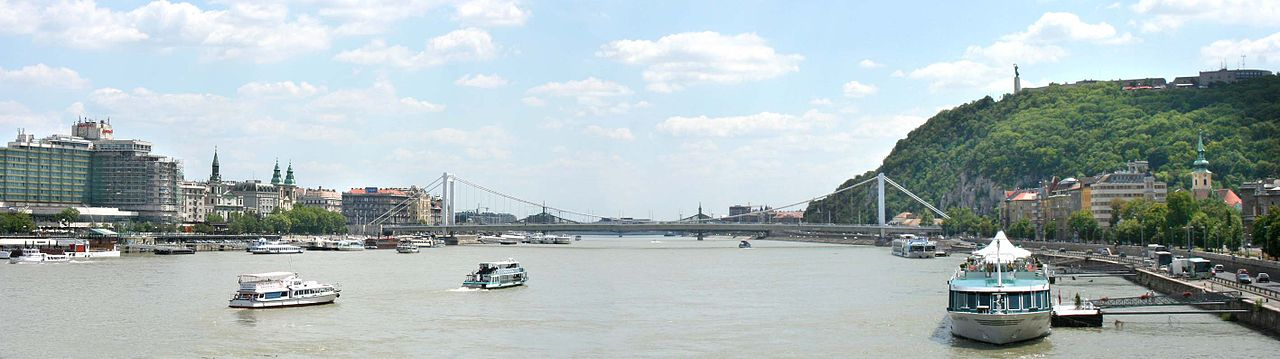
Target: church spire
point(275, 174)
point(1200, 164)
point(288, 177)
point(214, 176)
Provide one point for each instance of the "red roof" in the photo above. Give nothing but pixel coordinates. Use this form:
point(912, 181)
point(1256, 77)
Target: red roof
point(1229, 197)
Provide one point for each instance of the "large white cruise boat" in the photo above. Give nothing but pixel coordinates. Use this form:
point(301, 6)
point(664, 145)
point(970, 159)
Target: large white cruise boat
point(499, 274)
point(263, 246)
point(910, 246)
point(280, 289)
point(32, 255)
point(1000, 295)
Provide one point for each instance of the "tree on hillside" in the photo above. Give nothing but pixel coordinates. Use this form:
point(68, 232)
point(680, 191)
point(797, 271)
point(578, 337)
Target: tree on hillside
point(1022, 229)
point(1051, 230)
point(926, 217)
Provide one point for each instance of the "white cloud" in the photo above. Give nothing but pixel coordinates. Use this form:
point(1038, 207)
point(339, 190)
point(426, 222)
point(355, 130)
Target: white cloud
point(1038, 43)
point(588, 90)
point(381, 99)
point(365, 17)
point(858, 89)
point(14, 115)
point(679, 60)
point(963, 74)
point(490, 13)
point(617, 134)
point(484, 143)
point(732, 126)
point(1166, 15)
point(274, 90)
point(1265, 50)
point(468, 44)
point(41, 75)
point(897, 73)
point(481, 81)
point(869, 64)
point(820, 101)
point(262, 33)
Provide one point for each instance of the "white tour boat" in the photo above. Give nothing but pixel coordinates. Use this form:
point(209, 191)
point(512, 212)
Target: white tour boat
point(407, 247)
point(499, 274)
point(280, 289)
point(1000, 295)
point(264, 246)
point(32, 255)
point(350, 245)
point(910, 246)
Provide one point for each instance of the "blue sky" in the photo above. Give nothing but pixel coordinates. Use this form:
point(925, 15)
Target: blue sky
point(634, 108)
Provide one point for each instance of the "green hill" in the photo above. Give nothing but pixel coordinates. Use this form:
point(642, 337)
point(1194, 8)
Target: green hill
point(967, 156)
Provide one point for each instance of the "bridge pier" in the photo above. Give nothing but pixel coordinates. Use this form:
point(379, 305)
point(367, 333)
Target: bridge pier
point(700, 235)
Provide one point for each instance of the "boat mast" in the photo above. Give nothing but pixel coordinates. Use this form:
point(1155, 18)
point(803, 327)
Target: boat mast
point(999, 271)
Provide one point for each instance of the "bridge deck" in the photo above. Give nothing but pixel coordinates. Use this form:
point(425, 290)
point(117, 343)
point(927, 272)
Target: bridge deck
point(1163, 300)
point(666, 227)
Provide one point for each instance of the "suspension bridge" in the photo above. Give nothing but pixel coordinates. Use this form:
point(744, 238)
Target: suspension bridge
point(496, 211)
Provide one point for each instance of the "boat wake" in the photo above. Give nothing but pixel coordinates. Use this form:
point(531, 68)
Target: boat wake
point(465, 289)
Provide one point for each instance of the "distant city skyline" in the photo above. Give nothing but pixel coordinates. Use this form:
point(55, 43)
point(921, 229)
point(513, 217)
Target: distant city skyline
point(630, 109)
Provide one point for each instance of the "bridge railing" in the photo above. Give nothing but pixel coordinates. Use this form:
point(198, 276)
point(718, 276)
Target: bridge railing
point(1260, 291)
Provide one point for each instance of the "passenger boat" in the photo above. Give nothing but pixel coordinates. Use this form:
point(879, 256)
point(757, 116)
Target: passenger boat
point(493, 275)
point(32, 255)
point(909, 246)
point(80, 249)
point(407, 247)
point(280, 289)
point(349, 245)
point(264, 246)
point(558, 239)
point(1000, 295)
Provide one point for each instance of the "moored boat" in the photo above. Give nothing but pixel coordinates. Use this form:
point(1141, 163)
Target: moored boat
point(499, 274)
point(32, 255)
point(264, 246)
point(169, 250)
point(349, 245)
point(407, 247)
point(1000, 295)
point(80, 249)
point(280, 289)
point(910, 246)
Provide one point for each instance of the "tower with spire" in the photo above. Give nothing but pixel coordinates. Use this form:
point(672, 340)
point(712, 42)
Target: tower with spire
point(1201, 177)
point(214, 176)
point(288, 177)
point(275, 174)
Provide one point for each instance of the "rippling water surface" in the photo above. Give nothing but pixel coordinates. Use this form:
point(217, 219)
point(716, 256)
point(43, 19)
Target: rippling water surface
point(602, 296)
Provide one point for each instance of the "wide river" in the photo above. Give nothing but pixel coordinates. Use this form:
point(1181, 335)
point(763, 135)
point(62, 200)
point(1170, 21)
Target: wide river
point(600, 297)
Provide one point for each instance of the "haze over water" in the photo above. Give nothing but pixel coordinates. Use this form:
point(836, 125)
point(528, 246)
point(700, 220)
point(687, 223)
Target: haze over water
point(602, 296)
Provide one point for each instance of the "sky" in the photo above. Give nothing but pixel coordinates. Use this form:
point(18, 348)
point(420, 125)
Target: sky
point(618, 108)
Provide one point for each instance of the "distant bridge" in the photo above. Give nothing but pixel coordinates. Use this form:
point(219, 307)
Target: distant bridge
point(688, 227)
point(557, 219)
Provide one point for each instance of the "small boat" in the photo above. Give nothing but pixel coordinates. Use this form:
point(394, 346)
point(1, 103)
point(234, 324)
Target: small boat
point(499, 274)
point(264, 246)
point(32, 255)
point(910, 246)
point(407, 247)
point(280, 289)
point(172, 250)
point(350, 245)
point(557, 239)
point(744, 245)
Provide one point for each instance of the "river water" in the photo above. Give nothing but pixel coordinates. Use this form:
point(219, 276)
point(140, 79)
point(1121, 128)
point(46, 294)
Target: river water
point(632, 296)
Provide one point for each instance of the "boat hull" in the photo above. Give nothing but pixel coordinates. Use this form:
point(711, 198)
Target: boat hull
point(1000, 328)
point(291, 302)
point(490, 285)
point(49, 259)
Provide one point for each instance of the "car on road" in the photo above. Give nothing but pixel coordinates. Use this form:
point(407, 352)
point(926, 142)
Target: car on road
point(1218, 268)
point(1263, 278)
point(1062, 250)
point(1242, 276)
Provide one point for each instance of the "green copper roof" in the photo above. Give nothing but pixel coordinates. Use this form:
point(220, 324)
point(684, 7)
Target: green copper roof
point(288, 177)
point(275, 176)
point(1200, 162)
